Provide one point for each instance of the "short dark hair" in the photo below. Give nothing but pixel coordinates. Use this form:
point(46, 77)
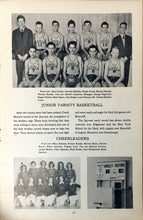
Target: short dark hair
point(51, 162)
point(32, 47)
point(92, 46)
point(72, 42)
point(54, 21)
point(33, 162)
point(68, 164)
point(39, 22)
point(123, 23)
point(71, 22)
point(51, 43)
point(105, 23)
point(20, 16)
point(23, 166)
point(42, 162)
point(59, 164)
point(87, 21)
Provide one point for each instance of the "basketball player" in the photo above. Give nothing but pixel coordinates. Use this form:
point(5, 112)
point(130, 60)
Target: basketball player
point(92, 69)
point(72, 67)
point(57, 38)
point(51, 68)
point(88, 38)
point(114, 70)
point(72, 36)
point(33, 69)
point(40, 40)
point(104, 42)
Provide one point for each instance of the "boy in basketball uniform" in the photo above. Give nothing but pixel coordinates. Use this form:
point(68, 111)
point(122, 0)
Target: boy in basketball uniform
point(51, 68)
point(33, 69)
point(104, 42)
point(40, 40)
point(88, 38)
point(72, 36)
point(92, 69)
point(114, 70)
point(57, 38)
point(72, 67)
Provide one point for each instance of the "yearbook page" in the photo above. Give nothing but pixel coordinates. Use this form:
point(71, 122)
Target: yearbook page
point(71, 110)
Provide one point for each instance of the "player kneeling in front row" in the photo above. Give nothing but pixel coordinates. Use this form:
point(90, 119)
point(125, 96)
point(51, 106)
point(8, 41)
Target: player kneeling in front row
point(33, 69)
point(114, 70)
point(51, 68)
point(92, 69)
point(72, 67)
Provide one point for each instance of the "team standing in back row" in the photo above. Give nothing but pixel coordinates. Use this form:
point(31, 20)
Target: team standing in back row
point(88, 60)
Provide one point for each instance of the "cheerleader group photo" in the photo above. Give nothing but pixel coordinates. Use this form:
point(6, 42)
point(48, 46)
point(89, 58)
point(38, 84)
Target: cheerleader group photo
point(72, 50)
point(45, 183)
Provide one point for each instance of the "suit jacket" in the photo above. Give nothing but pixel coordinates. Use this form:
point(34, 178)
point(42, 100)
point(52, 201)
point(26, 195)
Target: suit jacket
point(21, 42)
point(123, 51)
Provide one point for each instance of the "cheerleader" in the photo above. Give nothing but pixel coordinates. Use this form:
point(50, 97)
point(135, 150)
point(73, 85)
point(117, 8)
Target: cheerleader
point(33, 171)
point(51, 172)
point(61, 192)
point(70, 172)
point(20, 193)
point(61, 170)
point(50, 192)
point(40, 193)
point(74, 193)
point(43, 171)
point(31, 193)
point(23, 173)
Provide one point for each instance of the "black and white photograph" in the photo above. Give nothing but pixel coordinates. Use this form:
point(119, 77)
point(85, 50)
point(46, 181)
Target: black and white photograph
point(109, 181)
point(47, 183)
point(72, 50)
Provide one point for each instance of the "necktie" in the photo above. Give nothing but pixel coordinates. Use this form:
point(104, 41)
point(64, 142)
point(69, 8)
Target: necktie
point(123, 39)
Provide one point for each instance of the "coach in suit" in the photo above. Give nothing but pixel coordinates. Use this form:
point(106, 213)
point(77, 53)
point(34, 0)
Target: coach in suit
point(124, 43)
point(22, 40)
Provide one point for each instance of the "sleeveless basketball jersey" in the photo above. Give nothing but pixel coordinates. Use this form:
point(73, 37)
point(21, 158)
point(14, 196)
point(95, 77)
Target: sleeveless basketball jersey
point(56, 40)
point(40, 40)
point(104, 41)
point(33, 66)
point(93, 68)
point(114, 70)
point(51, 66)
point(88, 40)
point(74, 37)
point(72, 66)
